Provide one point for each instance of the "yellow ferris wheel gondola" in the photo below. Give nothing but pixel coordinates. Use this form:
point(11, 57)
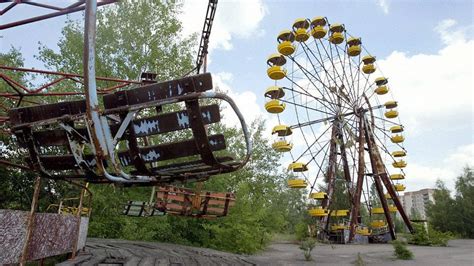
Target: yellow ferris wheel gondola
point(282, 130)
point(300, 28)
point(274, 92)
point(399, 154)
point(318, 212)
point(318, 195)
point(399, 164)
point(353, 46)
point(391, 114)
point(396, 129)
point(275, 63)
point(337, 33)
point(286, 39)
point(399, 187)
point(318, 31)
point(397, 176)
point(397, 138)
point(274, 106)
point(381, 83)
point(368, 67)
point(297, 183)
point(282, 146)
point(378, 224)
point(297, 167)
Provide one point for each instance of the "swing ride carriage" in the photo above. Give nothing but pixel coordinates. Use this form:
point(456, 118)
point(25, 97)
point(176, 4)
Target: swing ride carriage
point(335, 129)
point(132, 133)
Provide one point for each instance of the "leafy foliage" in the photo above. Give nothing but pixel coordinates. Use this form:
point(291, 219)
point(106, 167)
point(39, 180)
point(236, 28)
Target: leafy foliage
point(359, 261)
point(456, 215)
point(307, 246)
point(420, 237)
point(401, 251)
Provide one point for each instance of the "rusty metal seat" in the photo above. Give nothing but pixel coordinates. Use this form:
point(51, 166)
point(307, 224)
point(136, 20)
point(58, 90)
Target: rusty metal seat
point(147, 144)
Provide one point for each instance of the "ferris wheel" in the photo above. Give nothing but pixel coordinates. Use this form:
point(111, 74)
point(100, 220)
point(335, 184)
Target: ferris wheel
point(339, 125)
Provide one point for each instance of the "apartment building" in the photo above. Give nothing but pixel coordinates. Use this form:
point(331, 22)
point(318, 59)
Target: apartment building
point(416, 202)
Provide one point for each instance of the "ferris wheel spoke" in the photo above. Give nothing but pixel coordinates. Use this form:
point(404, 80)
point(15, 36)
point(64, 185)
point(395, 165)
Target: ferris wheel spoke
point(320, 62)
point(328, 75)
point(306, 93)
point(335, 72)
point(320, 169)
point(310, 79)
point(310, 146)
point(303, 106)
point(344, 74)
point(299, 86)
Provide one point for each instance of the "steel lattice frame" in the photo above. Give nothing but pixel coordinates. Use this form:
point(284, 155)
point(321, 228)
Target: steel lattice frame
point(335, 118)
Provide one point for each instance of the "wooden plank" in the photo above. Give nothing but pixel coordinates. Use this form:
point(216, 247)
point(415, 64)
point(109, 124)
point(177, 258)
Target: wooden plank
point(63, 162)
point(153, 125)
point(26, 115)
point(172, 150)
point(173, 121)
point(158, 91)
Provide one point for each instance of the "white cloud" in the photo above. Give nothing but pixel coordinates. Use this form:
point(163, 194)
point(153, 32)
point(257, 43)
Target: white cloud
point(384, 5)
point(436, 99)
point(421, 176)
point(246, 101)
point(239, 19)
point(449, 34)
point(434, 88)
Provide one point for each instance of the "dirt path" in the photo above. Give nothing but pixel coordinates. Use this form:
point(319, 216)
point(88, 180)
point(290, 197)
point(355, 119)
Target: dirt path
point(122, 252)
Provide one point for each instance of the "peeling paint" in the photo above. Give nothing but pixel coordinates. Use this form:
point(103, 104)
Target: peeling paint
point(151, 156)
point(183, 120)
point(92, 162)
point(124, 160)
point(146, 126)
point(151, 95)
point(206, 115)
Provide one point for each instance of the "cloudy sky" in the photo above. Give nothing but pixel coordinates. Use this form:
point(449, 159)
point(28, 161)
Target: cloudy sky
point(424, 47)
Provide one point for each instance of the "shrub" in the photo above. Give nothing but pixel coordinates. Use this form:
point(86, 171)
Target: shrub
point(301, 230)
point(307, 245)
point(430, 237)
point(438, 238)
point(420, 237)
point(401, 251)
point(359, 261)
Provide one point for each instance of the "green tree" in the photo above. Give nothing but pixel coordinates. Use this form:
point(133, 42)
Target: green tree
point(448, 214)
point(442, 212)
point(465, 203)
point(132, 37)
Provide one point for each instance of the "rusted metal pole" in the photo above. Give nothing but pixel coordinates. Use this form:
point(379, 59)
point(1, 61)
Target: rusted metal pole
point(50, 15)
point(388, 185)
point(355, 211)
point(331, 173)
point(31, 220)
point(78, 227)
point(376, 162)
point(92, 102)
point(345, 163)
point(68, 75)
